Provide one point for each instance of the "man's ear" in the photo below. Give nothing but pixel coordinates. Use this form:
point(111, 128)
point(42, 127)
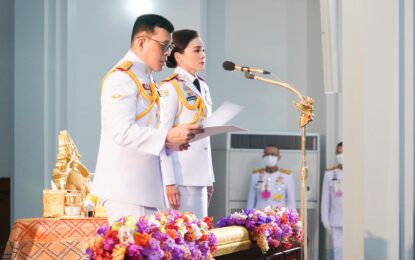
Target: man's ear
point(139, 42)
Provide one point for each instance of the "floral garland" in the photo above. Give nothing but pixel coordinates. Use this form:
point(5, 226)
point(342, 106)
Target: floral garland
point(270, 227)
point(172, 235)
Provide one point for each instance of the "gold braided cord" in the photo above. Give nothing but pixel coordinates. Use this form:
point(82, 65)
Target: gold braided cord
point(199, 104)
point(195, 118)
point(145, 112)
point(180, 111)
point(183, 100)
point(153, 97)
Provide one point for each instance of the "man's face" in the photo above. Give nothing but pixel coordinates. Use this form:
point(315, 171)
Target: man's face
point(270, 150)
point(156, 48)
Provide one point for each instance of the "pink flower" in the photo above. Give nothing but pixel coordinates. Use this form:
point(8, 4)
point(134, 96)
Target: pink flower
point(172, 235)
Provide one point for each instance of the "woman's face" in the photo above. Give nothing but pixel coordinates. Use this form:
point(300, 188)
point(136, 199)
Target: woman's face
point(193, 57)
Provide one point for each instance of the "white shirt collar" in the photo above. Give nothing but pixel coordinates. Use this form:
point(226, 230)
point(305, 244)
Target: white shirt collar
point(141, 66)
point(190, 78)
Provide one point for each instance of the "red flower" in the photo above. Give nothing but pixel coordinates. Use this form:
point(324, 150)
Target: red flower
point(172, 226)
point(99, 251)
point(209, 222)
point(274, 243)
point(142, 239)
point(171, 233)
point(189, 236)
point(286, 245)
point(111, 233)
point(204, 237)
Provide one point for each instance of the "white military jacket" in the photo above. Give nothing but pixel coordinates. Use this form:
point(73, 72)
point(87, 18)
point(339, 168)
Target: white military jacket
point(128, 165)
point(271, 189)
point(332, 199)
point(181, 103)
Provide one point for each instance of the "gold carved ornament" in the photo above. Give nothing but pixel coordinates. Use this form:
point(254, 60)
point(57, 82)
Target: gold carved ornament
point(70, 173)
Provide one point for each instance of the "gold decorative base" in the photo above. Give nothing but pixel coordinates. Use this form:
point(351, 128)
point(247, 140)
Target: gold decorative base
point(53, 203)
point(231, 239)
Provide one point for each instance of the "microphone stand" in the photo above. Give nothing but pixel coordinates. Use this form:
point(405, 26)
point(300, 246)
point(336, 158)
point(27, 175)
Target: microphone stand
point(305, 106)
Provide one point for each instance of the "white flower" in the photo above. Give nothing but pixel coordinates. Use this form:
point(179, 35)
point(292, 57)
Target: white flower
point(152, 220)
point(125, 235)
point(196, 231)
point(298, 225)
point(204, 226)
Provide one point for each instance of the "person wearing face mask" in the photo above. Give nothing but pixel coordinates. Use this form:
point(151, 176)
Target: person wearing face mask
point(272, 185)
point(185, 100)
point(331, 203)
point(127, 177)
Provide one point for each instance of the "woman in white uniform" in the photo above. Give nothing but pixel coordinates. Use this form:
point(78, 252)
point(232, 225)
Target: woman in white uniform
point(185, 100)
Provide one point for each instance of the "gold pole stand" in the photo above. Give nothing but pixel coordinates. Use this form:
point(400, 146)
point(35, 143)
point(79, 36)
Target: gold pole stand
point(305, 106)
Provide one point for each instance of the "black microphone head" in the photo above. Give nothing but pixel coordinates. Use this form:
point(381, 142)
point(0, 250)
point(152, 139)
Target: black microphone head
point(228, 65)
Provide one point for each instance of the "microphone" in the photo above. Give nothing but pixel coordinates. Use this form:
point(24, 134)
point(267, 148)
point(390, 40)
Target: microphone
point(228, 65)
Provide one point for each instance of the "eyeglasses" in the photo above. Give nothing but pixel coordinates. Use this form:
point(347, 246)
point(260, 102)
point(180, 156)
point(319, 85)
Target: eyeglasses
point(164, 45)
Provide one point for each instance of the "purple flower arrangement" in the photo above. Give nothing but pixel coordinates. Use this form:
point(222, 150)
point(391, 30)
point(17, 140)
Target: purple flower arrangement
point(270, 227)
point(172, 235)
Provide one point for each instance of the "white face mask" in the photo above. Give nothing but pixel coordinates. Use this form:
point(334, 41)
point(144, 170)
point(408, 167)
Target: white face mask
point(270, 160)
point(339, 158)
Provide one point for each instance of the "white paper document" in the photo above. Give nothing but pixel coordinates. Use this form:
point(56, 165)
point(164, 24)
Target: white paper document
point(215, 123)
point(215, 130)
point(222, 115)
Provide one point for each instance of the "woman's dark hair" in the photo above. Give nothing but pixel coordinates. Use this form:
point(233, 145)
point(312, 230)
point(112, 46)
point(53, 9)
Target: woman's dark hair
point(181, 39)
point(148, 22)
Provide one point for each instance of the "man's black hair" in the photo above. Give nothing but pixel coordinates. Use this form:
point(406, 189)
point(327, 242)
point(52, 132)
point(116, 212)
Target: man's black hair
point(148, 22)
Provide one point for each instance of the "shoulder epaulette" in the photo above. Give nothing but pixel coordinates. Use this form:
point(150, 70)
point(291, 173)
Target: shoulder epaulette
point(285, 171)
point(171, 77)
point(126, 65)
point(332, 168)
point(259, 170)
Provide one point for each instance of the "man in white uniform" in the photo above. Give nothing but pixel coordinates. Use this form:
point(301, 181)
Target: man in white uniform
point(332, 203)
point(271, 186)
point(128, 178)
